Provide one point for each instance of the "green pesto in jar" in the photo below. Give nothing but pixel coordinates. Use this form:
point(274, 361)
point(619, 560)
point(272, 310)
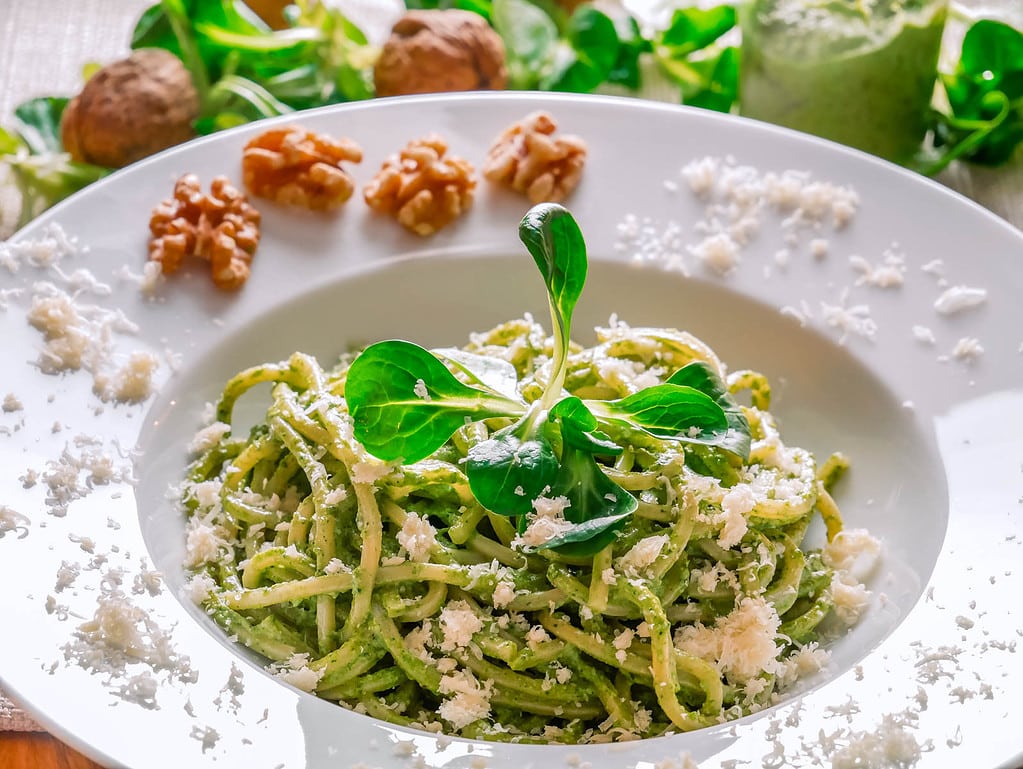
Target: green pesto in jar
point(859, 72)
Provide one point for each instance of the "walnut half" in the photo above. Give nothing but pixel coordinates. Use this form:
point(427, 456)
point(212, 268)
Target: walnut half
point(296, 167)
point(421, 187)
point(527, 158)
point(220, 227)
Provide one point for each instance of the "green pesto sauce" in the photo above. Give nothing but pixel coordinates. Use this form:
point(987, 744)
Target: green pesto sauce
point(835, 69)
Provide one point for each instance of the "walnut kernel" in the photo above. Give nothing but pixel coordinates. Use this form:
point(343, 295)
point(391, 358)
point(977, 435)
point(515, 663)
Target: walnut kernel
point(527, 158)
point(421, 187)
point(220, 227)
point(296, 167)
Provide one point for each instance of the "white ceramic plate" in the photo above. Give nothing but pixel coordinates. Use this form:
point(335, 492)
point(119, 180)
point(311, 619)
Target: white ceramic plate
point(934, 438)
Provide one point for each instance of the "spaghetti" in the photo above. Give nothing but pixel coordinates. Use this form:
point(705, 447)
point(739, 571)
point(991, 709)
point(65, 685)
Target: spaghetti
point(390, 589)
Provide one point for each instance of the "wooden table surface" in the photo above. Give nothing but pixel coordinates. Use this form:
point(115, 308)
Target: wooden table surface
point(38, 750)
point(43, 46)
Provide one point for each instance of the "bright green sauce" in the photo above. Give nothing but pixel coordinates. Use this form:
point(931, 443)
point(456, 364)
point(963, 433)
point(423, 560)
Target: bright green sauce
point(858, 73)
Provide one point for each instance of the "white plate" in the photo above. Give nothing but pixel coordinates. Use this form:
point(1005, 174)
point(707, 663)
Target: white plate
point(933, 664)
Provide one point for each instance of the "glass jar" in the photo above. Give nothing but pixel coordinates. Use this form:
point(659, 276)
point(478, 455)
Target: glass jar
point(859, 72)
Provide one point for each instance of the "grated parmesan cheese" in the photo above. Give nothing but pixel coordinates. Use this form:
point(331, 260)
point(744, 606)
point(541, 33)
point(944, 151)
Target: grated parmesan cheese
point(967, 349)
point(849, 320)
point(369, 471)
point(959, 298)
point(546, 521)
point(854, 551)
point(470, 701)
point(458, 623)
point(504, 594)
point(132, 383)
point(11, 520)
point(736, 506)
point(642, 555)
point(891, 273)
point(924, 335)
point(208, 437)
point(421, 391)
point(417, 537)
point(742, 644)
point(296, 672)
point(719, 252)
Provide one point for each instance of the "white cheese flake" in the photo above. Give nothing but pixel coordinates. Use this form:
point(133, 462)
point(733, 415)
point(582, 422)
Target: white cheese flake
point(959, 298)
point(208, 437)
point(459, 623)
point(855, 319)
point(417, 537)
point(504, 594)
point(546, 521)
point(296, 672)
point(719, 252)
point(742, 644)
point(642, 555)
point(924, 335)
point(469, 700)
point(967, 349)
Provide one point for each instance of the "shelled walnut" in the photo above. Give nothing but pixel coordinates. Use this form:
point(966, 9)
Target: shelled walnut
point(527, 158)
point(296, 167)
point(421, 187)
point(220, 227)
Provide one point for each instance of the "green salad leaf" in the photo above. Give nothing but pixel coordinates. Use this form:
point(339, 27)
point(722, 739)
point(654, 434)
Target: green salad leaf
point(513, 468)
point(530, 36)
point(587, 53)
point(42, 171)
point(406, 402)
point(983, 122)
point(700, 376)
point(243, 70)
point(669, 411)
point(709, 79)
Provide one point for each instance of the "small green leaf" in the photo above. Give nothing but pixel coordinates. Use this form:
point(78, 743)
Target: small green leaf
point(153, 30)
point(506, 473)
point(556, 244)
point(266, 43)
point(481, 7)
point(405, 404)
point(38, 123)
point(493, 373)
point(578, 428)
point(631, 45)
point(589, 537)
point(984, 120)
point(669, 411)
point(46, 179)
point(718, 88)
point(529, 36)
point(992, 48)
point(702, 377)
point(692, 29)
point(9, 142)
point(597, 505)
point(593, 44)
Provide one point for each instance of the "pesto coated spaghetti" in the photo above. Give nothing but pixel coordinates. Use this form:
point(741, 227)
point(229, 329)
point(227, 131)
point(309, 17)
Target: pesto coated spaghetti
point(389, 588)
